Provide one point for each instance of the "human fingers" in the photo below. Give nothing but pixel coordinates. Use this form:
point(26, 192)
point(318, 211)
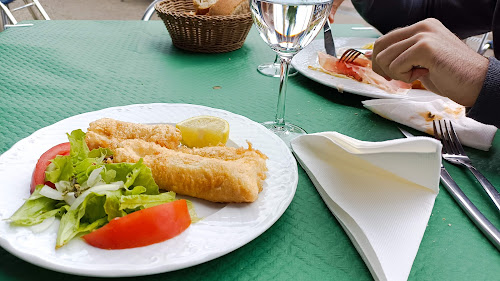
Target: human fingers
point(427, 26)
point(368, 54)
point(410, 64)
point(428, 84)
point(400, 34)
point(335, 6)
point(382, 62)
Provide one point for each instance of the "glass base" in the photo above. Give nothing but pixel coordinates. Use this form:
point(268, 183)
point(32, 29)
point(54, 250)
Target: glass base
point(287, 132)
point(273, 70)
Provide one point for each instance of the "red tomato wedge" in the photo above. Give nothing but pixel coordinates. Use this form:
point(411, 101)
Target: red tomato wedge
point(38, 176)
point(142, 228)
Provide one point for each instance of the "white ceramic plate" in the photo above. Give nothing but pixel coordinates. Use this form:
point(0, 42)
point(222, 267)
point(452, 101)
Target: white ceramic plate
point(224, 228)
point(308, 57)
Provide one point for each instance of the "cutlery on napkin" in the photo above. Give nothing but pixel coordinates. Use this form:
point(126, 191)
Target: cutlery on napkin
point(489, 230)
point(382, 193)
point(418, 113)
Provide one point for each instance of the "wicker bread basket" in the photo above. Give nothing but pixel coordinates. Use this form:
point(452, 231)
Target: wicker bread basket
point(201, 33)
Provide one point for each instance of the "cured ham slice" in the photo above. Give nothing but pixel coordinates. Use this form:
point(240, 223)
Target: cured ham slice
point(361, 71)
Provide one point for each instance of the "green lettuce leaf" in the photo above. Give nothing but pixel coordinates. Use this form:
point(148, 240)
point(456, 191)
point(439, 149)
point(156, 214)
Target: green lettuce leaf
point(136, 174)
point(143, 201)
point(192, 212)
point(36, 209)
point(100, 153)
point(60, 169)
point(90, 215)
point(78, 147)
point(136, 190)
point(112, 204)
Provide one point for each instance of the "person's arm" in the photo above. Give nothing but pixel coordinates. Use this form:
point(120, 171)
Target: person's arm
point(463, 17)
point(486, 108)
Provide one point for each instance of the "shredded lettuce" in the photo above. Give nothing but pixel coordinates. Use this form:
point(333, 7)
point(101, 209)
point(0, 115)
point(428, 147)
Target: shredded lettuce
point(86, 174)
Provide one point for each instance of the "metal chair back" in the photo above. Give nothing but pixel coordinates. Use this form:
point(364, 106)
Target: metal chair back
point(8, 19)
point(150, 11)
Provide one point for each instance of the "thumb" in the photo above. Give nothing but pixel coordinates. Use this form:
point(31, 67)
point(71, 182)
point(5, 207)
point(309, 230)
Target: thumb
point(333, 11)
point(330, 18)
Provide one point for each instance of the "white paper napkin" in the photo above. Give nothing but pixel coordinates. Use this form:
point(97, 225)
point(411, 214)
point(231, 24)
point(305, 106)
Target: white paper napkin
point(418, 113)
point(382, 193)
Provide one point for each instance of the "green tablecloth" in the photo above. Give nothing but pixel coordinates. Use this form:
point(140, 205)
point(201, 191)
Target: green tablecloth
point(57, 69)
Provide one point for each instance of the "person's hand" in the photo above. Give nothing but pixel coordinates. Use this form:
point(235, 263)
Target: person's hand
point(335, 6)
point(429, 52)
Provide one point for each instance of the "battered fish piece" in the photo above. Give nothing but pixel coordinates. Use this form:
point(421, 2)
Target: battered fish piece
point(218, 174)
point(108, 132)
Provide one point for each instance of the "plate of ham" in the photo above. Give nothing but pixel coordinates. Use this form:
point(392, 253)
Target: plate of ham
point(357, 77)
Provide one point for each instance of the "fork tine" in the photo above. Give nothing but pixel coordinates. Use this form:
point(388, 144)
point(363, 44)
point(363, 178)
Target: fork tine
point(453, 145)
point(354, 55)
point(456, 140)
point(345, 54)
point(434, 129)
point(350, 55)
point(444, 139)
point(438, 136)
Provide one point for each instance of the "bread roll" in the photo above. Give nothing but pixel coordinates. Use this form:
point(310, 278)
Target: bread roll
point(229, 7)
point(202, 6)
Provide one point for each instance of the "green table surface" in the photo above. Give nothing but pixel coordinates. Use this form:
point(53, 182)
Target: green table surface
point(56, 69)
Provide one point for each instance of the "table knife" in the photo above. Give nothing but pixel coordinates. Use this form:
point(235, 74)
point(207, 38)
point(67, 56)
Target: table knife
point(488, 229)
point(328, 38)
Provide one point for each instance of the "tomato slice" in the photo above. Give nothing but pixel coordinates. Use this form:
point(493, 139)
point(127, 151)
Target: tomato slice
point(38, 176)
point(142, 228)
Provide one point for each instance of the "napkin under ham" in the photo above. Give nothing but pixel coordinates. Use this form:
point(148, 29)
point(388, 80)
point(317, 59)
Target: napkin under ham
point(361, 71)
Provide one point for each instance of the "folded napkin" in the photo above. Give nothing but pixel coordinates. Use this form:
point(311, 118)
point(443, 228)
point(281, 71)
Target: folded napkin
point(382, 193)
point(418, 113)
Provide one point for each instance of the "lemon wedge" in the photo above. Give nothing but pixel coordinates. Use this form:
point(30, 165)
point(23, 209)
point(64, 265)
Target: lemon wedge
point(204, 130)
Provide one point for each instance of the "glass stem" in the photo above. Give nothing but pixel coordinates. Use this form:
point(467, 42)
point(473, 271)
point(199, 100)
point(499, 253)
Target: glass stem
point(280, 112)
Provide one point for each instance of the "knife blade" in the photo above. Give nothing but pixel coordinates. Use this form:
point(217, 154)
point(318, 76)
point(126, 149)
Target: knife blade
point(328, 38)
point(488, 229)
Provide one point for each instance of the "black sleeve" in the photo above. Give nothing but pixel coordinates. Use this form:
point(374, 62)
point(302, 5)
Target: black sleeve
point(487, 106)
point(463, 17)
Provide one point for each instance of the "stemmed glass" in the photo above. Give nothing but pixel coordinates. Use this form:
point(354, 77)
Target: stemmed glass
point(287, 26)
point(272, 69)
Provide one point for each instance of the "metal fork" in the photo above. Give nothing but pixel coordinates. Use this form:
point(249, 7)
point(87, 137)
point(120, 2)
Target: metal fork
point(454, 153)
point(489, 230)
point(350, 55)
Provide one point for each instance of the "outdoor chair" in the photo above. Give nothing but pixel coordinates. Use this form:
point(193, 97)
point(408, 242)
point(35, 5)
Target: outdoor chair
point(484, 45)
point(8, 19)
point(150, 11)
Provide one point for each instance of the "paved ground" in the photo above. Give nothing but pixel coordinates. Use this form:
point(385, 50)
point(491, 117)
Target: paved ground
point(129, 10)
point(134, 10)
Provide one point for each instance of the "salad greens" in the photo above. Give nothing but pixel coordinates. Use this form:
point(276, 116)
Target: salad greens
point(90, 192)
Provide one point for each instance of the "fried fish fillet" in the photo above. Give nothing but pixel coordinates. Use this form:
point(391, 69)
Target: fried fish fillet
point(218, 174)
point(108, 132)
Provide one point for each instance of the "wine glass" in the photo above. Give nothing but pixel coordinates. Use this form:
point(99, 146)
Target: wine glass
point(287, 26)
point(272, 69)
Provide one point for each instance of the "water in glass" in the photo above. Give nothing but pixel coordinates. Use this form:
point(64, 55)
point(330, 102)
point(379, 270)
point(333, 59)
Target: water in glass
point(288, 26)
